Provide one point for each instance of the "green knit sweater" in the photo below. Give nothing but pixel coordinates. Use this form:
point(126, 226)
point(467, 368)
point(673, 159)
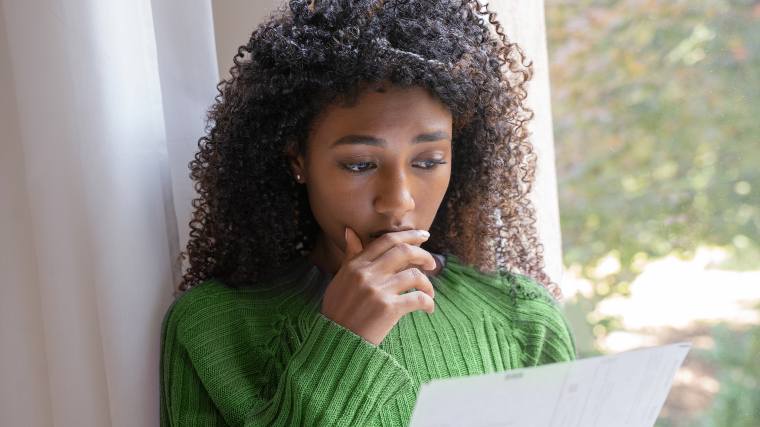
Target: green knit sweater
point(267, 356)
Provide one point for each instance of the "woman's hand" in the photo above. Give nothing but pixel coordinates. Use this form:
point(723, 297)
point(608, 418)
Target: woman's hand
point(365, 296)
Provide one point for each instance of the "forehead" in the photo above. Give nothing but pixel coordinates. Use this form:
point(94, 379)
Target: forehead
point(393, 109)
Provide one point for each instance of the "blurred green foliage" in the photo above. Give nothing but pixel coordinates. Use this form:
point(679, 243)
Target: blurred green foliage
point(656, 109)
point(657, 128)
point(737, 358)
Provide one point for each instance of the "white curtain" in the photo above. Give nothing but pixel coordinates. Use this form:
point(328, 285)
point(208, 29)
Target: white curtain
point(101, 105)
point(525, 24)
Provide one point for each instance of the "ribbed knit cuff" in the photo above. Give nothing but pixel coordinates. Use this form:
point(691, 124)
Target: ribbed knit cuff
point(338, 378)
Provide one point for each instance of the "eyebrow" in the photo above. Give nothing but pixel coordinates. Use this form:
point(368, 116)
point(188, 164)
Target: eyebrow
point(378, 142)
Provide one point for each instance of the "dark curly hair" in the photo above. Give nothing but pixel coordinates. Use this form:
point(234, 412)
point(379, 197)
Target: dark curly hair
point(251, 217)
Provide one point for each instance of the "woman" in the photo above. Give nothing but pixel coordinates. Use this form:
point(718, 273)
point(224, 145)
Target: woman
point(315, 293)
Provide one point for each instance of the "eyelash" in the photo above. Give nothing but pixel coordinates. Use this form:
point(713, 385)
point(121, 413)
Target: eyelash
point(347, 166)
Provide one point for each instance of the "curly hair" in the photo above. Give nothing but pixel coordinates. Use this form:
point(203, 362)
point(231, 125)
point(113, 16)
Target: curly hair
point(251, 217)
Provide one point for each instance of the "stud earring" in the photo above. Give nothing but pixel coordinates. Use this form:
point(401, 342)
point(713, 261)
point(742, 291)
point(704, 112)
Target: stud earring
point(298, 177)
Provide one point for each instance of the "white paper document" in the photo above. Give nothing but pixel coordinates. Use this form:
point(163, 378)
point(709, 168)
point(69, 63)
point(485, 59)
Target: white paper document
point(626, 389)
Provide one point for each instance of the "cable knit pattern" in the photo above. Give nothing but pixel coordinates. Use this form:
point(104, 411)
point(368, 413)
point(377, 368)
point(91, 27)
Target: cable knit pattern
point(266, 356)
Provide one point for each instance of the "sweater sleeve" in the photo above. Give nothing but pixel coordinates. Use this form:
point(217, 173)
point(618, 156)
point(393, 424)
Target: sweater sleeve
point(547, 334)
point(559, 341)
point(541, 325)
point(333, 377)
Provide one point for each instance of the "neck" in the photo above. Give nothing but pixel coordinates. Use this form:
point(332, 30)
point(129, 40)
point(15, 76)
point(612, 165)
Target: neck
point(326, 256)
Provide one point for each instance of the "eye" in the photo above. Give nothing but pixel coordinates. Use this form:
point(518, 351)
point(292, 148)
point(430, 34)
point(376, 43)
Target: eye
point(432, 163)
point(357, 167)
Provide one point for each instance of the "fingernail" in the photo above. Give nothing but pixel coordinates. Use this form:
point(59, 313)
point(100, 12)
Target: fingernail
point(424, 233)
point(345, 233)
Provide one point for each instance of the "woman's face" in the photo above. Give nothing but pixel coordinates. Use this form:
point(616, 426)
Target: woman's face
point(383, 164)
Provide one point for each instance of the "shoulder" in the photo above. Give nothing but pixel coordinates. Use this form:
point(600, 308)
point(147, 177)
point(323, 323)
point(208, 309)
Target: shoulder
point(197, 306)
point(533, 316)
point(525, 288)
point(211, 307)
point(212, 310)
point(532, 301)
point(518, 288)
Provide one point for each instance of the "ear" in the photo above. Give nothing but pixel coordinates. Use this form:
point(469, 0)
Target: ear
point(296, 162)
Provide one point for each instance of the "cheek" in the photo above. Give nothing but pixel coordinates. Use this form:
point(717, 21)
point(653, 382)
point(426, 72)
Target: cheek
point(334, 201)
point(430, 199)
point(436, 186)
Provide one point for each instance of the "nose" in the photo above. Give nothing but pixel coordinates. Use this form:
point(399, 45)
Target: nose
point(394, 196)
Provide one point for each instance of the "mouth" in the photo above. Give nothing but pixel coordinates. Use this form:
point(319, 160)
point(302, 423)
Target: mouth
point(379, 233)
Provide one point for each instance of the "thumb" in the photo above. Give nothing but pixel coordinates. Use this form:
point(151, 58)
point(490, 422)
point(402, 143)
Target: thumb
point(353, 244)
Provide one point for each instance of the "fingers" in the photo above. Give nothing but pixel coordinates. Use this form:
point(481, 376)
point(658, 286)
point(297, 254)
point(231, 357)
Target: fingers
point(387, 241)
point(411, 278)
point(413, 301)
point(353, 245)
point(402, 256)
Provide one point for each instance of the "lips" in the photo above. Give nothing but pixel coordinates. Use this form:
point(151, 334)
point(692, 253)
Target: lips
point(379, 233)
